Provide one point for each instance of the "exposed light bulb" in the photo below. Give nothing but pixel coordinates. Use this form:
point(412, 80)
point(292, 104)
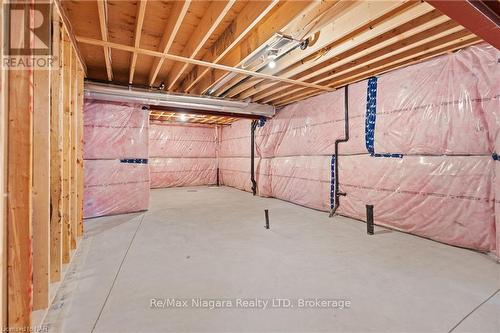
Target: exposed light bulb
point(272, 64)
point(183, 117)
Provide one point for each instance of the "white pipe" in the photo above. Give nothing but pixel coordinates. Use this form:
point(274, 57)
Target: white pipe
point(147, 97)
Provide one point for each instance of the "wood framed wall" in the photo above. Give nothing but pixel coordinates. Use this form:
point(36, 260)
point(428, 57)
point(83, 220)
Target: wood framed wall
point(3, 181)
point(42, 176)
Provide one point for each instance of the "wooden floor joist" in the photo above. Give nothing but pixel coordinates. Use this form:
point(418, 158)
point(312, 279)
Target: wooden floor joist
point(173, 25)
point(250, 16)
point(132, 49)
point(141, 10)
point(188, 53)
point(277, 19)
point(361, 54)
point(209, 22)
point(347, 41)
point(103, 18)
point(308, 24)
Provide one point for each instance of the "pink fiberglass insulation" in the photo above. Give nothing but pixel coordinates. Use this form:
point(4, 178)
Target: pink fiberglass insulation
point(235, 139)
point(113, 187)
point(116, 177)
point(114, 130)
point(311, 126)
point(234, 155)
point(450, 199)
point(427, 112)
point(182, 171)
point(446, 198)
point(235, 172)
point(182, 155)
point(174, 140)
point(304, 128)
point(446, 105)
point(303, 180)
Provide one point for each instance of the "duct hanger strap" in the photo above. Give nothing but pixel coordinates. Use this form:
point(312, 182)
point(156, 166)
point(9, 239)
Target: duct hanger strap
point(370, 120)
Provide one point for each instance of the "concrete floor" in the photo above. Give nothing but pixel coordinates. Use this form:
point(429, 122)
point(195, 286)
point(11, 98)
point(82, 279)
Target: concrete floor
point(211, 243)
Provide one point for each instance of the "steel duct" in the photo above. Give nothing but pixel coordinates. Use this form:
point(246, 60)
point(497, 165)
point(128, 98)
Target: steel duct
point(115, 93)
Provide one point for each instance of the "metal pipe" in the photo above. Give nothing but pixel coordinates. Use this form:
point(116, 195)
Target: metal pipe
point(337, 193)
point(218, 182)
point(124, 94)
point(252, 156)
point(266, 213)
point(369, 219)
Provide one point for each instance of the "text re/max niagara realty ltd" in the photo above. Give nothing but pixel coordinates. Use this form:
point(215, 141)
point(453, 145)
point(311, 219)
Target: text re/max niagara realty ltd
point(249, 303)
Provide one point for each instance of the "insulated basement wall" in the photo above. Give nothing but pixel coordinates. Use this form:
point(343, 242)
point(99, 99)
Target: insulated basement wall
point(421, 150)
point(234, 155)
point(182, 155)
point(116, 157)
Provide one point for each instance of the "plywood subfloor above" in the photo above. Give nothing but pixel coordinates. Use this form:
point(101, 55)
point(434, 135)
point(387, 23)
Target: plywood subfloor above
point(223, 48)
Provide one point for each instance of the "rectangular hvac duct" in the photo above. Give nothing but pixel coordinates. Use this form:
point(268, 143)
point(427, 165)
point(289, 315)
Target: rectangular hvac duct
point(115, 93)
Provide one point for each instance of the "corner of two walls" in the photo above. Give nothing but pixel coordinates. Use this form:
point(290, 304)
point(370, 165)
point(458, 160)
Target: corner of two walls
point(182, 154)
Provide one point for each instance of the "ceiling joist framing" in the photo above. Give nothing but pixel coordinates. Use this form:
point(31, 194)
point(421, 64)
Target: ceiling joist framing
point(202, 47)
point(279, 18)
point(69, 29)
point(304, 26)
point(210, 21)
point(174, 22)
point(381, 67)
point(103, 24)
point(250, 16)
point(141, 11)
point(400, 38)
point(374, 19)
point(161, 55)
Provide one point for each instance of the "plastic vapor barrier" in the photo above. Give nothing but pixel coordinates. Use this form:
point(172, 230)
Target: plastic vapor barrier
point(449, 199)
point(234, 155)
point(182, 155)
point(173, 141)
point(114, 131)
point(235, 172)
point(112, 187)
point(180, 171)
point(115, 158)
point(456, 97)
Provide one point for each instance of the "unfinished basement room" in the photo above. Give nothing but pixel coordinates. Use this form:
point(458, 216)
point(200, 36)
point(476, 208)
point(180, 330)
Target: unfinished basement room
point(250, 166)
